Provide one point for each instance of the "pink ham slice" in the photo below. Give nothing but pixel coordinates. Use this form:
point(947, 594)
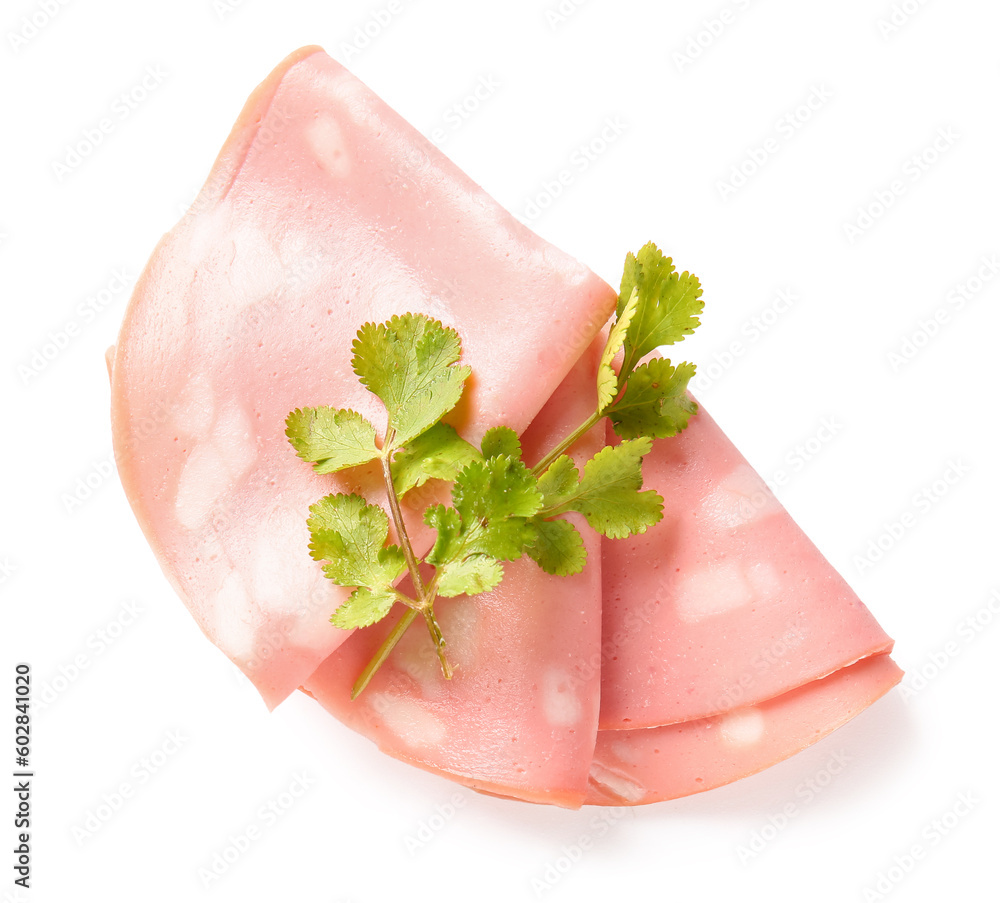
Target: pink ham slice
point(724, 603)
point(726, 636)
point(324, 210)
point(519, 718)
point(662, 763)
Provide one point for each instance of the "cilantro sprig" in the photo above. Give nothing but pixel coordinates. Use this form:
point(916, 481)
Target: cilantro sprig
point(501, 509)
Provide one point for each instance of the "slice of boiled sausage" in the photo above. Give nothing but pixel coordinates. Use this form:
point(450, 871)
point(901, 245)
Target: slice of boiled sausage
point(519, 718)
point(725, 602)
point(324, 210)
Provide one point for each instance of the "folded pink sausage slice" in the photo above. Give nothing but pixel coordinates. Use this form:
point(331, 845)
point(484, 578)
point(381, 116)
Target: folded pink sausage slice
point(519, 718)
point(725, 602)
point(324, 210)
point(724, 634)
point(662, 763)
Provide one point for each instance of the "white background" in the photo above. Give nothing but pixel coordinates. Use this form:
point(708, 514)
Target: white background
point(127, 688)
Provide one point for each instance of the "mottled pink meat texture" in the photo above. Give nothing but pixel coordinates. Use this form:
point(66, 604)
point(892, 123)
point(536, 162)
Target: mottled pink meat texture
point(662, 763)
point(725, 602)
point(722, 632)
point(323, 211)
point(519, 718)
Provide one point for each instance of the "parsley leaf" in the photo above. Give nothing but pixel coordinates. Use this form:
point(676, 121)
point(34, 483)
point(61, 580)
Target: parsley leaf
point(470, 576)
point(438, 453)
point(560, 479)
point(493, 501)
point(496, 488)
point(448, 524)
point(501, 440)
point(363, 607)
point(558, 548)
point(608, 494)
point(409, 363)
point(668, 304)
point(350, 535)
point(462, 563)
point(655, 402)
point(608, 382)
point(332, 439)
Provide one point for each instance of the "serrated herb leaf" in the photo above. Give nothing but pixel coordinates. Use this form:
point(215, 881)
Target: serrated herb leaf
point(350, 535)
point(363, 607)
point(438, 453)
point(448, 524)
point(655, 402)
point(496, 488)
point(608, 494)
point(608, 385)
point(462, 564)
point(506, 538)
point(668, 304)
point(470, 576)
point(558, 548)
point(501, 440)
point(332, 439)
point(410, 363)
point(493, 500)
point(559, 480)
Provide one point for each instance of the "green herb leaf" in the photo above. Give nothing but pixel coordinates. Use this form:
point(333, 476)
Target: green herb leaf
point(363, 607)
point(608, 494)
point(608, 384)
point(559, 480)
point(470, 576)
point(558, 548)
point(458, 554)
point(668, 306)
point(448, 524)
point(439, 453)
point(655, 402)
point(504, 539)
point(330, 438)
point(493, 500)
point(496, 488)
point(409, 362)
point(350, 535)
point(501, 440)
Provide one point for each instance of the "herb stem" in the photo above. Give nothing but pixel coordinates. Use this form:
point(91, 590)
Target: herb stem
point(439, 643)
point(566, 443)
point(424, 603)
point(397, 519)
point(388, 644)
